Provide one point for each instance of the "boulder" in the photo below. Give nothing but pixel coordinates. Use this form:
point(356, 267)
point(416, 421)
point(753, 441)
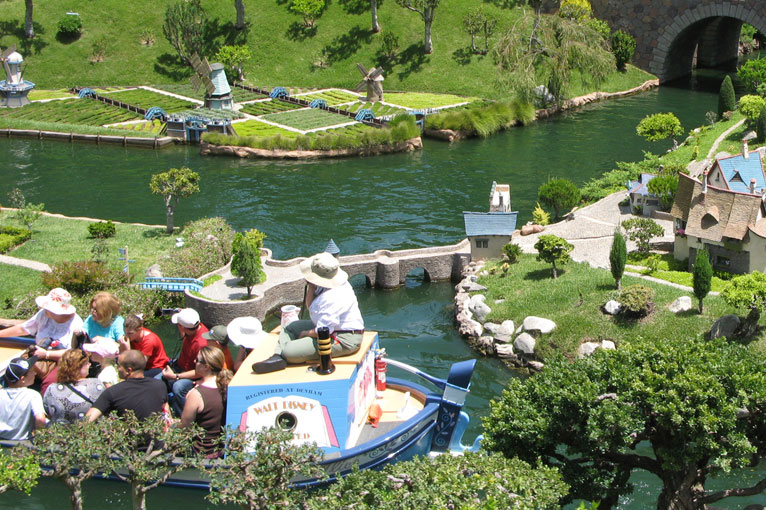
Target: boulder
point(725, 326)
point(479, 308)
point(587, 349)
point(470, 328)
point(498, 301)
point(539, 324)
point(492, 328)
point(484, 273)
point(681, 304)
point(537, 366)
point(469, 286)
point(531, 229)
point(504, 350)
point(612, 307)
point(608, 345)
point(505, 332)
point(154, 271)
point(525, 343)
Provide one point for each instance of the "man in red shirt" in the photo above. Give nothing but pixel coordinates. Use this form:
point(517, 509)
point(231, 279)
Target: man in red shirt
point(139, 338)
point(182, 378)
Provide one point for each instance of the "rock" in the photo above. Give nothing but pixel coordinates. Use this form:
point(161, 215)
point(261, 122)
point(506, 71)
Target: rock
point(461, 298)
point(587, 349)
point(725, 326)
point(525, 343)
point(537, 366)
point(612, 307)
point(154, 271)
point(544, 326)
point(498, 301)
point(608, 345)
point(484, 273)
point(531, 229)
point(505, 332)
point(504, 350)
point(470, 287)
point(492, 327)
point(470, 328)
point(486, 344)
point(464, 316)
point(479, 308)
point(681, 304)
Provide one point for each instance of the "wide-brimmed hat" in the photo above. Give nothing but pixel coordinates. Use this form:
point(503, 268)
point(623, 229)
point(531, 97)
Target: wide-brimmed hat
point(246, 332)
point(104, 347)
point(18, 368)
point(323, 270)
point(187, 318)
point(218, 334)
point(57, 301)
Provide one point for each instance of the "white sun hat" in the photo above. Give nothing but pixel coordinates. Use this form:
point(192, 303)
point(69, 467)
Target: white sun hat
point(57, 301)
point(246, 332)
point(323, 270)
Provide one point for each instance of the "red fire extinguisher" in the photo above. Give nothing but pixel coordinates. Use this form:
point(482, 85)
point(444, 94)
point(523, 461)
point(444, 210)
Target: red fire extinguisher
point(380, 374)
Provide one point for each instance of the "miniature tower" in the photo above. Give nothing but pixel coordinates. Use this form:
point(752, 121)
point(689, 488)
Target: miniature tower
point(500, 198)
point(14, 89)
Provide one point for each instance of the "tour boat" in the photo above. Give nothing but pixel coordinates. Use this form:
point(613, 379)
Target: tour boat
point(334, 410)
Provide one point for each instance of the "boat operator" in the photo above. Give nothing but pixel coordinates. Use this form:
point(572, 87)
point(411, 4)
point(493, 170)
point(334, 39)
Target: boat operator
point(332, 303)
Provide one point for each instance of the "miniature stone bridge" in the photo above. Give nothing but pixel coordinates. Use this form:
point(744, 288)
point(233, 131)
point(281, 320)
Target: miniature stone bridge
point(668, 32)
point(222, 301)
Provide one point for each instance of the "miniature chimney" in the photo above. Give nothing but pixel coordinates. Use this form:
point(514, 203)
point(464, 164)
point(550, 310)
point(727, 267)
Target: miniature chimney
point(704, 184)
point(745, 150)
point(752, 186)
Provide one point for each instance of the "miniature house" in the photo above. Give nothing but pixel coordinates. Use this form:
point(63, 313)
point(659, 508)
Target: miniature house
point(638, 192)
point(489, 231)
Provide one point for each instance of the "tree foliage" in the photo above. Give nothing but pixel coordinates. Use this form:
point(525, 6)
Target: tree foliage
point(636, 300)
point(21, 469)
point(660, 126)
point(747, 291)
point(618, 255)
point(575, 10)
point(553, 250)
point(470, 481)
point(752, 74)
point(26, 212)
point(727, 100)
point(426, 10)
point(184, 28)
point(750, 106)
point(702, 276)
point(623, 48)
point(540, 216)
point(246, 262)
point(309, 9)
point(698, 405)
point(173, 185)
point(550, 50)
point(559, 194)
point(642, 230)
point(760, 126)
point(479, 21)
point(234, 58)
point(664, 187)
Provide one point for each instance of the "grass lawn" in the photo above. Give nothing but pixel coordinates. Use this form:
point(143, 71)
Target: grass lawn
point(422, 100)
point(88, 112)
point(18, 281)
point(705, 139)
point(38, 95)
point(573, 302)
point(307, 119)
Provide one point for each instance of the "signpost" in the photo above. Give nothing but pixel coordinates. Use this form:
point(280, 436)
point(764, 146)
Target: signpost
point(126, 269)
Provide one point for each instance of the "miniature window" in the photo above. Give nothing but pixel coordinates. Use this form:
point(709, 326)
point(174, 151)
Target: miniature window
point(723, 261)
point(482, 243)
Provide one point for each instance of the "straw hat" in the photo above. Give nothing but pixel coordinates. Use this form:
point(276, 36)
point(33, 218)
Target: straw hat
point(57, 301)
point(246, 332)
point(323, 270)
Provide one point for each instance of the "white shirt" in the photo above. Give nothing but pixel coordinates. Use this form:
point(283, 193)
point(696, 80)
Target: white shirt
point(18, 408)
point(336, 309)
point(42, 327)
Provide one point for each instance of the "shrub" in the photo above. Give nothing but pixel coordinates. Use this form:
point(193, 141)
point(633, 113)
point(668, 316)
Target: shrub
point(727, 101)
point(11, 237)
point(636, 300)
point(753, 73)
point(389, 44)
point(750, 106)
point(98, 49)
point(102, 230)
point(575, 9)
point(600, 26)
point(642, 230)
point(559, 194)
point(82, 277)
point(623, 48)
point(70, 26)
point(512, 252)
point(207, 247)
point(540, 216)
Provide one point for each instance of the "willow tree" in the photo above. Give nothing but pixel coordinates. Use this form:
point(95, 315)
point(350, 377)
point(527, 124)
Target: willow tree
point(540, 49)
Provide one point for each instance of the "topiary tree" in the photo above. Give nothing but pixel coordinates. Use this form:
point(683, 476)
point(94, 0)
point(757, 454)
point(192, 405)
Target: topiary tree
point(636, 300)
point(659, 127)
point(750, 106)
point(623, 48)
point(641, 230)
point(760, 126)
point(309, 9)
point(512, 252)
point(559, 194)
point(553, 249)
point(246, 262)
point(727, 100)
point(172, 185)
point(702, 276)
point(540, 216)
point(21, 469)
point(618, 256)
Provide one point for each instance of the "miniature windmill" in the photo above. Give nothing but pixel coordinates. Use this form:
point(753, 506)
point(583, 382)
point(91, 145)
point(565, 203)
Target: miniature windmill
point(13, 90)
point(213, 77)
point(11, 78)
point(371, 79)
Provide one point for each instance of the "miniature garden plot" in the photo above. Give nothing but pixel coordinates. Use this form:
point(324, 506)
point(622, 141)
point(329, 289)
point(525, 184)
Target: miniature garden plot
point(147, 99)
point(258, 128)
point(311, 118)
point(379, 109)
point(270, 106)
point(207, 113)
point(153, 127)
point(71, 111)
point(41, 94)
point(331, 97)
point(186, 90)
point(420, 100)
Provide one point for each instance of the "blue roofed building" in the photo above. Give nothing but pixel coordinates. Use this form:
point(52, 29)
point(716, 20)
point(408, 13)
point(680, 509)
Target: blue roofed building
point(488, 232)
point(640, 198)
point(742, 172)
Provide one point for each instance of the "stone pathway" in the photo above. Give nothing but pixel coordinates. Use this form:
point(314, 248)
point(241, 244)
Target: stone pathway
point(29, 264)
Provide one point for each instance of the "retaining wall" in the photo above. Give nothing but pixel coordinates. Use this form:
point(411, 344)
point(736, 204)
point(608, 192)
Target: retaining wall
point(135, 141)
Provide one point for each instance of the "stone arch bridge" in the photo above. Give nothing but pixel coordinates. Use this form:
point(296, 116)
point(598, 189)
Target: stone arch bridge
point(222, 301)
point(670, 34)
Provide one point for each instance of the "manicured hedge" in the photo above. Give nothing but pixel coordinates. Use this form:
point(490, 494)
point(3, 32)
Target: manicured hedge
point(11, 237)
point(482, 119)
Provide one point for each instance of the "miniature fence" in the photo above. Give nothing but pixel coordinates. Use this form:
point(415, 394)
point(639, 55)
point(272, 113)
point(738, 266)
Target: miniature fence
point(172, 284)
point(113, 102)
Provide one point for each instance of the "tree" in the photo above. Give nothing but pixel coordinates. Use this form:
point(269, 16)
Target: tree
point(470, 481)
point(184, 28)
point(553, 249)
point(702, 277)
point(479, 21)
point(309, 9)
point(618, 255)
point(26, 212)
point(753, 73)
point(664, 187)
point(261, 479)
point(760, 126)
point(727, 100)
point(750, 106)
point(641, 230)
point(29, 26)
point(659, 127)
point(246, 262)
point(63, 447)
point(694, 404)
point(374, 11)
point(239, 5)
point(233, 58)
point(21, 469)
point(426, 10)
point(747, 291)
point(172, 185)
point(575, 10)
point(550, 50)
point(145, 453)
point(623, 48)
point(559, 194)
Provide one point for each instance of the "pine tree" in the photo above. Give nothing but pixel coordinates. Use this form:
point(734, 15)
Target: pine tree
point(727, 101)
point(702, 277)
point(246, 263)
point(760, 126)
point(617, 257)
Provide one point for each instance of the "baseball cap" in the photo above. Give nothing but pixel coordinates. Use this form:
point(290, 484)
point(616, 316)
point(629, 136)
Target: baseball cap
point(187, 318)
point(18, 368)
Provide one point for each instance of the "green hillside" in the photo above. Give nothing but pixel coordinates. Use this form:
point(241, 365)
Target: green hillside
point(284, 53)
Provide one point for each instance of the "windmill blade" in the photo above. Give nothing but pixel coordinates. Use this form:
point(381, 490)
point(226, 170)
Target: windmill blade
point(374, 73)
point(362, 69)
point(196, 82)
point(10, 49)
point(206, 69)
point(195, 62)
point(209, 86)
point(377, 88)
point(7, 68)
point(360, 86)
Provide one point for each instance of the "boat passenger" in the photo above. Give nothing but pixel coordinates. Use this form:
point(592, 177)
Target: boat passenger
point(206, 402)
point(104, 351)
point(69, 398)
point(52, 326)
point(146, 341)
point(104, 319)
point(218, 338)
point(246, 333)
point(180, 375)
point(332, 303)
point(142, 395)
point(21, 408)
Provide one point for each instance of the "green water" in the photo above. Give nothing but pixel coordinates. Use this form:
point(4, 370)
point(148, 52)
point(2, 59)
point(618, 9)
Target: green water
point(390, 202)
